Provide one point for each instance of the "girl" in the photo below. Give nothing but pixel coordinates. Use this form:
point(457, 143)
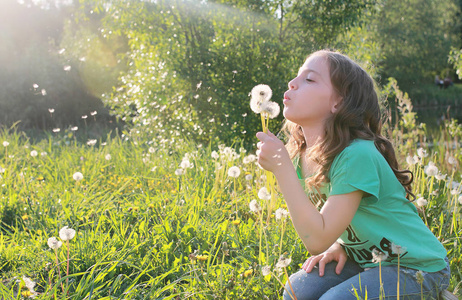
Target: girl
point(333, 123)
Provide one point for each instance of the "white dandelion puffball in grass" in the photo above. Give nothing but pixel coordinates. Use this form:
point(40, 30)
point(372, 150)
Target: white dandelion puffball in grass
point(431, 169)
point(260, 93)
point(33, 153)
point(421, 152)
point(411, 160)
point(185, 164)
point(263, 194)
point(91, 142)
point(249, 159)
point(248, 177)
point(77, 176)
point(215, 155)
point(460, 199)
point(30, 284)
point(54, 243)
point(108, 157)
point(281, 214)
point(440, 176)
point(254, 206)
point(66, 233)
point(283, 262)
point(234, 172)
point(5, 144)
point(266, 270)
point(421, 201)
point(271, 108)
point(179, 172)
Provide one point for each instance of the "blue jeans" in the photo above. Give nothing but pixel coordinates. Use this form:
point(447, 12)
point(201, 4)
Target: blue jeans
point(307, 286)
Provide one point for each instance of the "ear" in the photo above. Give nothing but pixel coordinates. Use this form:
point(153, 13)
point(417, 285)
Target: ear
point(336, 104)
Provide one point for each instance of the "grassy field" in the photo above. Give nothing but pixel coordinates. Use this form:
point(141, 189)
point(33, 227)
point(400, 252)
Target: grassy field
point(168, 219)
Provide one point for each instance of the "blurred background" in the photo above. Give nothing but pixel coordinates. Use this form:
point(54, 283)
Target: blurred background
point(184, 68)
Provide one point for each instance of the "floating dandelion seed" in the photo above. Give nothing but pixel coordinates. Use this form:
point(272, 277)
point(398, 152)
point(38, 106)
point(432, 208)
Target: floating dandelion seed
point(67, 68)
point(35, 86)
point(91, 142)
point(378, 256)
point(431, 169)
point(254, 206)
point(66, 233)
point(263, 194)
point(421, 201)
point(44, 92)
point(33, 153)
point(234, 172)
point(77, 176)
point(5, 144)
point(51, 110)
point(266, 270)
point(54, 243)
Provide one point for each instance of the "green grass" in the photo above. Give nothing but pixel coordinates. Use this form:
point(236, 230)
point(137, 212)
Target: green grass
point(143, 232)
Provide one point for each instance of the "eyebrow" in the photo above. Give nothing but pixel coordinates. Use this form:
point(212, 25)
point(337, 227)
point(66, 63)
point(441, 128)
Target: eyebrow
point(309, 71)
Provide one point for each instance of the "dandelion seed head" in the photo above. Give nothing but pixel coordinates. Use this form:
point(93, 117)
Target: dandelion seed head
point(460, 199)
point(378, 256)
point(283, 262)
point(431, 169)
point(185, 164)
point(266, 270)
point(44, 92)
point(54, 243)
point(452, 160)
point(74, 128)
point(67, 68)
point(254, 206)
point(5, 144)
point(51, 110)
point(421, 201)
point(260, 93)
point(234, 172)
point(66, 233)
point(108, 156)
point(263, 194)
point(56, 130)
point(179, 172)
point(248, 177)
point(410, 160)
point(91, 142)
point(33, 153)
point(30, 284)
point(397, 249)
point(270, 108)
point(440, 176)
point(77, 176)
point(93, 113)
point(421, 152)
point(281, 214)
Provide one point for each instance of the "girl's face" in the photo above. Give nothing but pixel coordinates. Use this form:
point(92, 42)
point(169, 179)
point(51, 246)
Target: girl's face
point(311, 98)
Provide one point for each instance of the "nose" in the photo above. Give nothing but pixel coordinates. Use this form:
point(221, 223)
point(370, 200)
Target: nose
point(292, 84)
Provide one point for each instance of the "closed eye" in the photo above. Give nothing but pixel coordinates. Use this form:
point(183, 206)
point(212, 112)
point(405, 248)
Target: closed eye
point(309, 80)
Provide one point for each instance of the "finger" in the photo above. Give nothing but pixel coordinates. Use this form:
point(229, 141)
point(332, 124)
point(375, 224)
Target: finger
point(259, 145)
point(312, 263)
point(305, 264)
point(270, 134)
point(341, 263)
point(322, 265)
point(262, 136)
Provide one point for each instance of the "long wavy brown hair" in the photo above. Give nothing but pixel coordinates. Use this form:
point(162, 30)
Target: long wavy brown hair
point(358, 116)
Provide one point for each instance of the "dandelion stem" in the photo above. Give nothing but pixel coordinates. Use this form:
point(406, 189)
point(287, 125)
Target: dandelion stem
point(397, 287)
point(283, 286)
point(67, 271)
point(290, 285)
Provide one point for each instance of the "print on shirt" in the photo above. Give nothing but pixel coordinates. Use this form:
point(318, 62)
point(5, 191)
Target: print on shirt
point(361, 250)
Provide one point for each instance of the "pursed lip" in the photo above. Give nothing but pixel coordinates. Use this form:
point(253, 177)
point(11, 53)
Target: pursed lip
point(286, 98)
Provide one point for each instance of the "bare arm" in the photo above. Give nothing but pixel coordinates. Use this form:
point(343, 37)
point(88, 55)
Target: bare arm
point(318, 230)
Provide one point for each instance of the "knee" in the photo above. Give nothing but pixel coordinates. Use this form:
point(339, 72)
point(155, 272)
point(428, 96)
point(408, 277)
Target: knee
point(298, 287)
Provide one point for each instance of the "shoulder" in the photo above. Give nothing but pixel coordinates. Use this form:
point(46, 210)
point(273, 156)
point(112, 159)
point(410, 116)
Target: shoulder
point(359, 148)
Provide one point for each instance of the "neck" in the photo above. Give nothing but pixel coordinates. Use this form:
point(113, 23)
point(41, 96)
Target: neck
point(313, 134)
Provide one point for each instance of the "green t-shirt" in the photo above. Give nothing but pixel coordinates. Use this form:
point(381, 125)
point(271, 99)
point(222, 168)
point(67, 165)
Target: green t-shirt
point(384, 216)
